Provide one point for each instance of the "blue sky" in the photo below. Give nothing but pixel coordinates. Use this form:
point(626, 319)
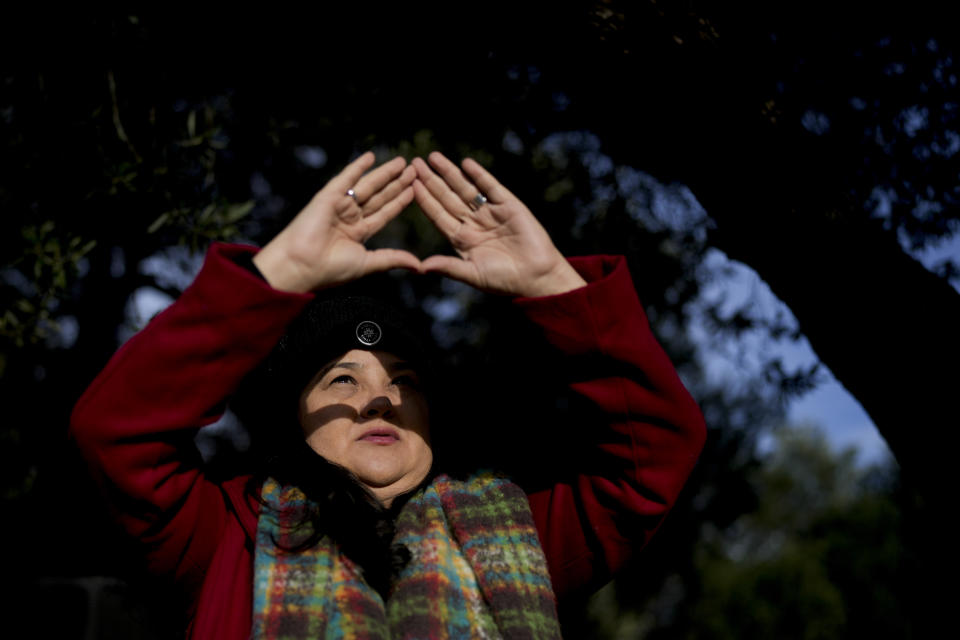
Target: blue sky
point(829, 406)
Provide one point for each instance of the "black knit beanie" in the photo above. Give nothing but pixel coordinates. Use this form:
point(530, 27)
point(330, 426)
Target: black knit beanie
point(331, 325)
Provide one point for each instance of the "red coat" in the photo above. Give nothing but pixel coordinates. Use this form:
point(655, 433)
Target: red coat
point(136, 422)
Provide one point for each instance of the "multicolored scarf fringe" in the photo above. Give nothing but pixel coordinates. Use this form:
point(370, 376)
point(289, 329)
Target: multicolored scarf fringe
point(476, 571)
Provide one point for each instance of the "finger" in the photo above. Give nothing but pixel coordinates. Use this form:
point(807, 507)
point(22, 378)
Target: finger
point(390, 191)
point(378, 219)
point(489, 186)
point(441, 191)
point(446, 223)
point(386, 259)
point(351, 173)
point(451, 267)
point(373, 182)
point(384, 179)
point(455, 178)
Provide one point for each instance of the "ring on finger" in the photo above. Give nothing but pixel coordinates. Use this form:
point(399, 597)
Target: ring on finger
point(478, 201)
point(353, 194)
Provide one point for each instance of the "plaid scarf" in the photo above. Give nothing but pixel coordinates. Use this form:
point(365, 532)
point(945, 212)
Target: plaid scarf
point(476, 571)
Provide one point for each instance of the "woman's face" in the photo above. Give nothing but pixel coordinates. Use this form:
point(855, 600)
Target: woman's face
point(366, 412)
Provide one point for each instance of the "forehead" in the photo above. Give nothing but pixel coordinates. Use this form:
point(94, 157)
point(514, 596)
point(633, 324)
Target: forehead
point(363, 357)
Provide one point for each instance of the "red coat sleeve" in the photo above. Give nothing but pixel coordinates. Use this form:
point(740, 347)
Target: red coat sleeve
point(590, 523)
point(136, 422)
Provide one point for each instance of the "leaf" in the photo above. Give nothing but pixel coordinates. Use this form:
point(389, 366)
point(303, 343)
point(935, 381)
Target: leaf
point(206, 213)
point(24, 305)
point(159, 222)
point(237, 211)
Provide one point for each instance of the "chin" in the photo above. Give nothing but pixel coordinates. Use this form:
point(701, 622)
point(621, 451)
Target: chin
point(380, 478)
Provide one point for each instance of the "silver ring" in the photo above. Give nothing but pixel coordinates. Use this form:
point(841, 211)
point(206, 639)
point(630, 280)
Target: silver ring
point(478, 201)
point(353, 194)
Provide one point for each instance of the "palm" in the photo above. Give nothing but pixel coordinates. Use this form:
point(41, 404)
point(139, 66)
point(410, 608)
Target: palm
point(323, 245)
point(347, 257)
point(502, 246)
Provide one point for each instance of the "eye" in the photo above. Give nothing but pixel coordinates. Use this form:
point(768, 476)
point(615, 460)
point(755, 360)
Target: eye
point(407, 379)
point(343, 379)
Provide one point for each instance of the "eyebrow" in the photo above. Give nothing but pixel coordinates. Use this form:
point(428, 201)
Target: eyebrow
point(334, 365)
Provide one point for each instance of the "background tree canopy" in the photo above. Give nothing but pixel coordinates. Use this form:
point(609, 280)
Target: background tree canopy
point(815, 146)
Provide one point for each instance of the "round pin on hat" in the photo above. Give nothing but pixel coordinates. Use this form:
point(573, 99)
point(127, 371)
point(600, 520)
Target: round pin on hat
point(369, 333)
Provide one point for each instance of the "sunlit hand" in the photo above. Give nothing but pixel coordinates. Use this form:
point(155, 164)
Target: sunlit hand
point(323, 245)
point(502, 246)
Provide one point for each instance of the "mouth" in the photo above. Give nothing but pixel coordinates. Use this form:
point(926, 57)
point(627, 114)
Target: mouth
point(380, 435)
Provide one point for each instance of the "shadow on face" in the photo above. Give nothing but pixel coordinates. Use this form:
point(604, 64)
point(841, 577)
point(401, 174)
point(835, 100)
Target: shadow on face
point(366, 412)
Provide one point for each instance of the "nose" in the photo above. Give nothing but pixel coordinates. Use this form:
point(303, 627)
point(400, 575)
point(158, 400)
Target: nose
point(380, 406)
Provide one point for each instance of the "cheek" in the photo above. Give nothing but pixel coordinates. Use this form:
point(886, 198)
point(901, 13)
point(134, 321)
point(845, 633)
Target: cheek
point(329, 440)
point(324, 426)
point(420, 419)
point(424, 450)
point(421, 457)
point(417, 401)
point(321, 408)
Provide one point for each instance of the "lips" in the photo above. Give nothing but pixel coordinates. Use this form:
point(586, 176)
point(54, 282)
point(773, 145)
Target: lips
point(380, 435)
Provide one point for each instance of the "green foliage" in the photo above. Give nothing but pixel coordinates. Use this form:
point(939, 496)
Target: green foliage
point(197, 229)
point(789, 596)
point(822, 556)
point(49, 262)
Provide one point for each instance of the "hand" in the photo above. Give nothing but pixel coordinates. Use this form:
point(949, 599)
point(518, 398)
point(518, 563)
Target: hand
point(323, 245)
point(502, 246)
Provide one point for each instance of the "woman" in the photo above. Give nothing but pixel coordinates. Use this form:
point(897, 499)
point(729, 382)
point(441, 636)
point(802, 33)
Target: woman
point(484, 557)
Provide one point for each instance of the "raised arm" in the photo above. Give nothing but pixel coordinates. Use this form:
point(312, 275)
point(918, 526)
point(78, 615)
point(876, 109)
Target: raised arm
point(648, 430)
point(643, 439)
point(136, 422)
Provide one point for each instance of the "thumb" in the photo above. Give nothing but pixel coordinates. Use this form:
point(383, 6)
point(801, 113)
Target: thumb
point(386, 259)
point(455, 268)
